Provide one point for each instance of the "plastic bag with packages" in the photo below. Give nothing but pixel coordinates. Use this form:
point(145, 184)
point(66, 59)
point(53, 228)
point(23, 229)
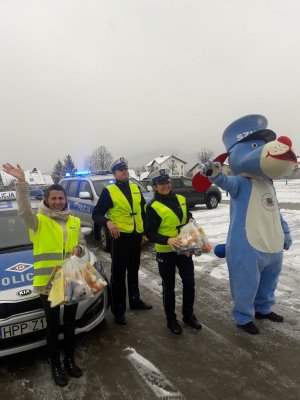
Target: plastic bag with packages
point(76, 287)
point(93, 278)
point(75, 280)
point(193, 240)
point(206, 245)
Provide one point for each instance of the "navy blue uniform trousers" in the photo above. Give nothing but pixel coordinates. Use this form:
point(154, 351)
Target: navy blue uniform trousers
point(125, 253)
point(167, 263)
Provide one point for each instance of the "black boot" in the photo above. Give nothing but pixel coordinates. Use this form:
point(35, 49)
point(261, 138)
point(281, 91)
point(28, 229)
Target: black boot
point(174, 327)
point(138, 304)
point(120, 319)
point(193, 322)
point(250, 327)
point(271, 316)
point(72, 368)
point(59, 375)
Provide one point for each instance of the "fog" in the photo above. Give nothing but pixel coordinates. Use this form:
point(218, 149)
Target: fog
point(142, 78)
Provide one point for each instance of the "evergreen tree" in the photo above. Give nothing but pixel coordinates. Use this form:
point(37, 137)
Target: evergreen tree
point(69, 164)
point(57, 172)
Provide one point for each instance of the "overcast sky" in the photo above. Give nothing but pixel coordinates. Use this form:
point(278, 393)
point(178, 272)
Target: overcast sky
point(140, 75)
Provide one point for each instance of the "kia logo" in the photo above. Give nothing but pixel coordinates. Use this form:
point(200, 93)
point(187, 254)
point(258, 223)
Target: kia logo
point(24, 292)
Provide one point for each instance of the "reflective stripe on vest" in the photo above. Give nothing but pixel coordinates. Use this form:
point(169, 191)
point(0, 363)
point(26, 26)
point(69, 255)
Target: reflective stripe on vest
point(48, 243)
point(121, 214)
point(169, 221)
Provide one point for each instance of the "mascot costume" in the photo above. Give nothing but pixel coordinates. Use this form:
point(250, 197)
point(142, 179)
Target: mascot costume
point(257, 233)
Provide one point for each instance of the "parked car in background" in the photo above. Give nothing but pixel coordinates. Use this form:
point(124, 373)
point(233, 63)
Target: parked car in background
point(83, 190)
point(22, 318)
point(182, 185)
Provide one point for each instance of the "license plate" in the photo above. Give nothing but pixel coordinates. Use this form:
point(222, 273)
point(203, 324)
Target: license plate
point(23, 327)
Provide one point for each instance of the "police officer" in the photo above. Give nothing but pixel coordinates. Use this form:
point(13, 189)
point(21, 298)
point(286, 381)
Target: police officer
point(165, 214)
point(124, 205)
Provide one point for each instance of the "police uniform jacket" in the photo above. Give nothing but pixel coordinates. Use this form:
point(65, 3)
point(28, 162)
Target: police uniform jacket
point(105, 203)
point(153, 220)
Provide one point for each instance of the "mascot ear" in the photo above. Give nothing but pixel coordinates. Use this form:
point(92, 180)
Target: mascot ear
point(200, 182)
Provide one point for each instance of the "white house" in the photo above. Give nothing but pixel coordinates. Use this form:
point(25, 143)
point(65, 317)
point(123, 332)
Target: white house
point(34, 177)
point(173, 163)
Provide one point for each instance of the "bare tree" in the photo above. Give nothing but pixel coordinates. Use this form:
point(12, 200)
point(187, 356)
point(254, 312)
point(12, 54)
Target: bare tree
point(100, 159)
point(204, 155)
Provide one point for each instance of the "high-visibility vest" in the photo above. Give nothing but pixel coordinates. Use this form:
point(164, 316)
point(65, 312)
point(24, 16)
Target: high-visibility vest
point(49, 249)
point(126, 218)
point(170, 222)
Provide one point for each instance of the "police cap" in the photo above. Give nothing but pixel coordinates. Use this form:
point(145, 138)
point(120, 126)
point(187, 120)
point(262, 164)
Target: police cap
point(159, 176)
point(120, 163)
point(249, 127)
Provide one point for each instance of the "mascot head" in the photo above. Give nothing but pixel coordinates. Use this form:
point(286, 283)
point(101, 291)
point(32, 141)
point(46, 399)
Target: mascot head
point(254, 150)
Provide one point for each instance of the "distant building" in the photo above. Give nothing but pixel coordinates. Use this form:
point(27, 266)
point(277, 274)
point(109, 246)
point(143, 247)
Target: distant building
point(193, 171)
point(34, 177)
point(173, 163)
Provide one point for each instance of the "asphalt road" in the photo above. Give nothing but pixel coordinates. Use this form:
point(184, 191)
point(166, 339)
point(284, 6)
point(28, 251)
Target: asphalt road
point(144, 360)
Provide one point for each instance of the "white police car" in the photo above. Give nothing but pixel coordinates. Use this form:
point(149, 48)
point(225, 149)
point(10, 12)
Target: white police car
point(22, 319)
point(83, 190)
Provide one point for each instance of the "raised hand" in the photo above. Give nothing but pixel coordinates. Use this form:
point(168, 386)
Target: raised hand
point(16, 172)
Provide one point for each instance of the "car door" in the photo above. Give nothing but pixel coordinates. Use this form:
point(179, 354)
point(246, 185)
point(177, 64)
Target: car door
point(193, 196)
point(179, 188)
point(79, 207)
point(85, 203)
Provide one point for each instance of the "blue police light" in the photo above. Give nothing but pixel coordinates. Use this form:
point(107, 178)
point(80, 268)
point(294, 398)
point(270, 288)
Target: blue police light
point(77, 173)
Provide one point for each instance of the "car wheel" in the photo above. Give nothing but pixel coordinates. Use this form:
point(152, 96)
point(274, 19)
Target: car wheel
point(212, 201)
point(104, 239)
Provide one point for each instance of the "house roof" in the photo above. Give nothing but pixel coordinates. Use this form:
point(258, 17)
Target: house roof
point(161, 159)
point(196, 165)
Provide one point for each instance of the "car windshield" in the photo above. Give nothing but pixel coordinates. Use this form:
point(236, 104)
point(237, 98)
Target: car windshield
point(99, 185)
point(13, 231)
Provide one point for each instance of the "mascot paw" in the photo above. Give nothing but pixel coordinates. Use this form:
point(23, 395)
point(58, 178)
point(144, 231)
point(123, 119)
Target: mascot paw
point(287, 241)
point(210, 168)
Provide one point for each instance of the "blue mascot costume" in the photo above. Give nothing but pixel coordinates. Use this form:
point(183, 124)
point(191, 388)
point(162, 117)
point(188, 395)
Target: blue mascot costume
point(257, 233)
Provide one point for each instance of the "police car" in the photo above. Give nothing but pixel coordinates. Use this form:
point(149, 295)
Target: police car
point(22, 319)
point(83, 189)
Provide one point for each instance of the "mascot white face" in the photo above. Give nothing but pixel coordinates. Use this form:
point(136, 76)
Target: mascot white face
point(277, 158)
point(271, 160)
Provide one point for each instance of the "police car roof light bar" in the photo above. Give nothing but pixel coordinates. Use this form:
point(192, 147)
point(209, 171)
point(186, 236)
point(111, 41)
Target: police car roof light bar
point(77, 173)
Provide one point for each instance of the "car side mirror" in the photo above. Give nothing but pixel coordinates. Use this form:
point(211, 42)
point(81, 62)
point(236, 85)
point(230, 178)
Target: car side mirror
point(85, 195)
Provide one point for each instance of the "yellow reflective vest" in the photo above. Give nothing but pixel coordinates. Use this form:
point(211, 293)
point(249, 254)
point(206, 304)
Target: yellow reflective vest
point(126, 218)
point(169, 221)
point(49, 248)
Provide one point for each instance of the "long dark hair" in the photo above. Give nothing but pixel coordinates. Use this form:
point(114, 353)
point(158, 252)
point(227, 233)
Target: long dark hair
point(49, 189)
